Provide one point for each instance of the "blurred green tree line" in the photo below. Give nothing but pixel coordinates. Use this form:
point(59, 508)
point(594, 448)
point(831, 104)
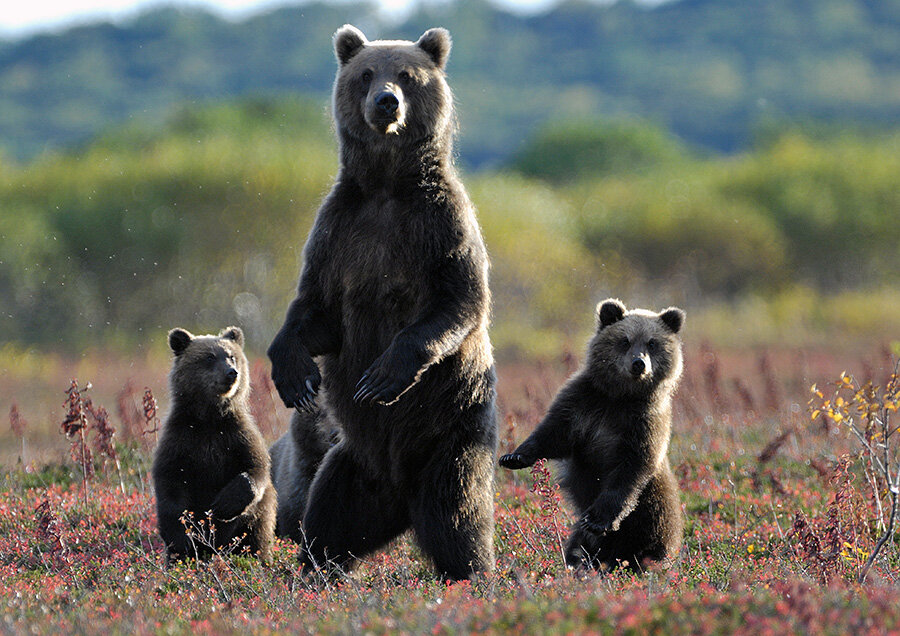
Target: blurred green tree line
point(708, 70)
point(201, 222)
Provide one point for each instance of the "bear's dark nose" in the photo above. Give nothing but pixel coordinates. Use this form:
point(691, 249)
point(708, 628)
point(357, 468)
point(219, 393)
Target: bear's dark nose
point(231, 374)
point(387, 102)
point(637, 366)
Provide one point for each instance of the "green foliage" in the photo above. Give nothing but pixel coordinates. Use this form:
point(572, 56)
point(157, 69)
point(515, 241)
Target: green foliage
point(835, 203)
point(816, 211)
point(200, 222)
point(142, 231)
point(570, 151)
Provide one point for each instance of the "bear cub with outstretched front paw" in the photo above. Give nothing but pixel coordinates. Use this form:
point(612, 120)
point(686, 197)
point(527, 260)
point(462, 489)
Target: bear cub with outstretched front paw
point(611, 423)
point(211, 458)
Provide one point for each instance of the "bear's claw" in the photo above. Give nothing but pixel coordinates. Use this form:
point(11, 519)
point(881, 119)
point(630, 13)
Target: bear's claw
point(514, 461)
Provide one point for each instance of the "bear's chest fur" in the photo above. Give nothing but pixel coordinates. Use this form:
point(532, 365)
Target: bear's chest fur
point(381, 281)
point(207, 459)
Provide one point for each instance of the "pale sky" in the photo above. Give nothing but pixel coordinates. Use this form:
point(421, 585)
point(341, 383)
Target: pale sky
point(22, 17)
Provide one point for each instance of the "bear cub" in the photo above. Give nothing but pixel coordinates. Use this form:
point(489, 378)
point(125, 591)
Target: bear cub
point(296, 456)
point(211, 458)
point(611, 423)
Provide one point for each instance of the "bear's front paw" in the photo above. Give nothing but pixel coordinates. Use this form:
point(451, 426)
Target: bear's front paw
point(389, 377)
point(295, 374)
point(234, 499)
point(596, 524)
point(514, 461)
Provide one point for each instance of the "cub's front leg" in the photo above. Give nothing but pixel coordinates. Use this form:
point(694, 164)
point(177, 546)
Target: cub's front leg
point(238, 494)
point(552, 439)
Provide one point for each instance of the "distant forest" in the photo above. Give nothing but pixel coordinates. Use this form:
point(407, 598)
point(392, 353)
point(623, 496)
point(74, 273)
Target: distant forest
point(713, 72)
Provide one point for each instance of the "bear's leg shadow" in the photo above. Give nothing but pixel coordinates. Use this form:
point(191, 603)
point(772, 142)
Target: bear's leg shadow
point(453, 512)
point(348, 514)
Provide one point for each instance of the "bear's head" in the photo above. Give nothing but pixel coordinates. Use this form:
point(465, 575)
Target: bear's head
point(208, 371)
point(635, 352)
point(392, 90)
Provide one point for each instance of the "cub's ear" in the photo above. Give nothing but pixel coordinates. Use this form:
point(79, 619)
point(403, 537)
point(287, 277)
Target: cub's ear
point(179, 339)
point(673, 318)
point(436, 42)
point(233, 333)
point(609, 311)
point(348, 41)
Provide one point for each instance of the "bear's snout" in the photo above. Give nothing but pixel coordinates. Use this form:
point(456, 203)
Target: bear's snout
point(640, 366)
point(387, 102)
point(385, 109)
point(229, 384)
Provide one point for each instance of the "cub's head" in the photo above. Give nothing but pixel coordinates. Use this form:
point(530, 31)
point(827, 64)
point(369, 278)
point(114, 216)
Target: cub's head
point(391, 89)
point(208, 370)
point(634, 352)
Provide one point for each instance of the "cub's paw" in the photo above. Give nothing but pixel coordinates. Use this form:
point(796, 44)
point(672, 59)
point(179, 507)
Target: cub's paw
point(514, 461)
point(294, 373)
point(389, 377)
point(234, 499)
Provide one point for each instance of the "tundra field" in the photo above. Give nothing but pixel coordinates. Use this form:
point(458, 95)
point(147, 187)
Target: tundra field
point(790, 521)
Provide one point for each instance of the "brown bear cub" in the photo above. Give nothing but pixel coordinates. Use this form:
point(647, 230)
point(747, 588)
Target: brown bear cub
point(210, 456)
point(296, 456)
point(611, 423)
point(393, 302)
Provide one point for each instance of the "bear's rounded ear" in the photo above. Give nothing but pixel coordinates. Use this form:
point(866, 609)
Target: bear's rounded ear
point(673, 318)
point(348, 41)
point(609, 311)
point(436, 42)
point(179, 339)
point(233, 333)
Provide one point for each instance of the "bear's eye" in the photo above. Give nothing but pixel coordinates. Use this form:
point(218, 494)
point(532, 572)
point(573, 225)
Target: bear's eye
point(367, 76)
point(652, 346)
point(210, 359)
point(623, 343)
point(404, 77)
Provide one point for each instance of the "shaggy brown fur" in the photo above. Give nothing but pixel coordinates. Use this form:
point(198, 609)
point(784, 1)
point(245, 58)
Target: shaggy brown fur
point(393, 300)
point(611, 423)
point(211, 456)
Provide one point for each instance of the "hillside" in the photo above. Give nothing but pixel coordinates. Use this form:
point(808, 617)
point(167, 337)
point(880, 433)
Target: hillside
point(711, 71)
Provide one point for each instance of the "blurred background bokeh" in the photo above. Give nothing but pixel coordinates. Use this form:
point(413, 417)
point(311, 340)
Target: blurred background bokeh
point(162, 167)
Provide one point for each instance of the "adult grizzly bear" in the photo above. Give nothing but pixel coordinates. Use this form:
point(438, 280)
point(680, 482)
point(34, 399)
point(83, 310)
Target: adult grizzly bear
point(210, 456)
point(393, 299)
point(612, 422)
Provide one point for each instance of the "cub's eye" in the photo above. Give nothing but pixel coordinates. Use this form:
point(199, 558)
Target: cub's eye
point(367, 76)
point(210, 358)
point(623, 343)
point(404, 77)
point(652, 346)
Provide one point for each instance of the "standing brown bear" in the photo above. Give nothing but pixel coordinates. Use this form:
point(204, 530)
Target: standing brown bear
point(211, 457)
point(612, 422)
point(393, 300)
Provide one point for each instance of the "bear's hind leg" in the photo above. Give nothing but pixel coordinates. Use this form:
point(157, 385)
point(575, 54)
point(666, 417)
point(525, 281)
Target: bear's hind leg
point(349, 514)
point(453, 513)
